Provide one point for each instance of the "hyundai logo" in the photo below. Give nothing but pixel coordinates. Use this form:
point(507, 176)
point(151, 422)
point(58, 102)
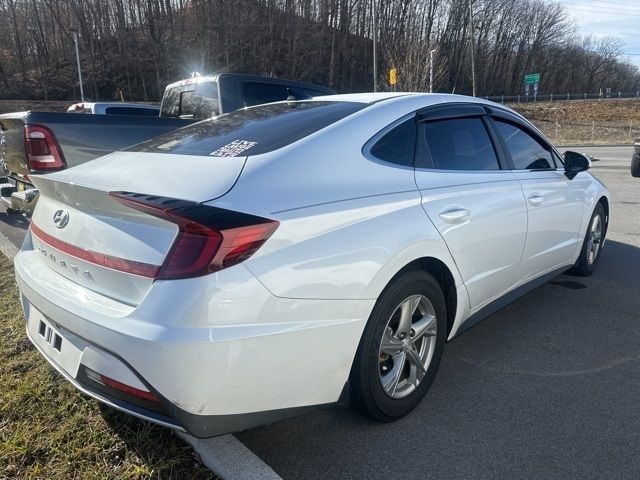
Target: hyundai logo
point(61, 218)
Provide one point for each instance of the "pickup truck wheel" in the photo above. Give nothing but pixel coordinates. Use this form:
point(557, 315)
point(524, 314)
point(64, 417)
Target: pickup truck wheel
point(400, 349)
point(635, 165)
point(592, 245)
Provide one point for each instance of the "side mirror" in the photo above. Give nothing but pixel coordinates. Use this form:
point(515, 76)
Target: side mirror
point(574, 163)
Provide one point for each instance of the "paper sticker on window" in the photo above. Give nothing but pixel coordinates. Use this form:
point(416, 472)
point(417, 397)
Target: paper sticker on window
point(233, 149)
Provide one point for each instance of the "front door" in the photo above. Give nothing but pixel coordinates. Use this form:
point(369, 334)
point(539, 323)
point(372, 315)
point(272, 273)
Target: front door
point(554, 203)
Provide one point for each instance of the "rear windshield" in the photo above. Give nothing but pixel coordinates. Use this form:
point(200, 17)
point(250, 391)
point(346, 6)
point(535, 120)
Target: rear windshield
point(147, 112)
point(251, 131)
point(197, 100)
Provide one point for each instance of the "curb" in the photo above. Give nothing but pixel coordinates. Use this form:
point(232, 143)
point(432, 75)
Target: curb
point(229, 458)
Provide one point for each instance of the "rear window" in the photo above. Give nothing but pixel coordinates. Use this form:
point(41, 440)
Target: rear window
point(147, 112)
point(197, 100)
point(251, 131)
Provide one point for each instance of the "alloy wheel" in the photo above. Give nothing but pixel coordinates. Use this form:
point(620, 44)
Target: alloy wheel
point(407, 346)
point(594, 240)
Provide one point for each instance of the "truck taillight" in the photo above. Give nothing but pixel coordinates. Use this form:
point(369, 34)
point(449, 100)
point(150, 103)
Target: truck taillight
point(209, 238)
point(42, 149)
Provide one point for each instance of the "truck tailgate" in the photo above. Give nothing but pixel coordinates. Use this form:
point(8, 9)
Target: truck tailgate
point(82, 137)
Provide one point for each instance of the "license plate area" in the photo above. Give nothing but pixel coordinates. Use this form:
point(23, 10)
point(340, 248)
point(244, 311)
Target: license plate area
point(58, 345)
point(50, 336)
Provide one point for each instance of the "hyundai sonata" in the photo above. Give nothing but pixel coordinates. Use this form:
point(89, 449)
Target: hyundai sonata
point(258, 264)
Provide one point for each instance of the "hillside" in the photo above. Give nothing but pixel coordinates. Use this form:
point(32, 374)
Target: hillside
point(585, 122)
point(8, 106)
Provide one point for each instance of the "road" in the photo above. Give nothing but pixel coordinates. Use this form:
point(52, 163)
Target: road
point(546, 388)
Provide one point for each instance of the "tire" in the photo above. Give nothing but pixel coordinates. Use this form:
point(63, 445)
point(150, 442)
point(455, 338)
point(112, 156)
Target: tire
point(375, 363)
point(592, 246)
point(635, 165)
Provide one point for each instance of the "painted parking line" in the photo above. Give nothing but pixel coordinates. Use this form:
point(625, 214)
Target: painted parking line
point(229, 458)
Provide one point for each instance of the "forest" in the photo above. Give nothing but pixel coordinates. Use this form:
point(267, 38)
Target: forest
point(132, 49)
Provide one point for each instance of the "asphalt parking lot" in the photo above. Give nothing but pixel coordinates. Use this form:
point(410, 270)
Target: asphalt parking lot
point(548, 387)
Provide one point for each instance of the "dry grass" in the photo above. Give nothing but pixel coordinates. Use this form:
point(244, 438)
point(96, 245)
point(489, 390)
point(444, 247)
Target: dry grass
point(619, 112)
point(50, 430)
point(585, 122)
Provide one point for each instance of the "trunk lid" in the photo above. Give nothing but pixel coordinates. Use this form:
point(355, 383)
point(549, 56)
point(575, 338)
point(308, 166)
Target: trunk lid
point(84, 234)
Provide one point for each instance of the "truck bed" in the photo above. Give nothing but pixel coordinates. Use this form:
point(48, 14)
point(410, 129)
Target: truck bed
point(81, 137)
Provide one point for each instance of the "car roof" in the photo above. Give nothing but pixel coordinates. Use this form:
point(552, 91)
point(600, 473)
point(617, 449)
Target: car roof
point(215, 77)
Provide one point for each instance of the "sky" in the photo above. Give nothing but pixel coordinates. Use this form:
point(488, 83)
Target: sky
point(615, 18)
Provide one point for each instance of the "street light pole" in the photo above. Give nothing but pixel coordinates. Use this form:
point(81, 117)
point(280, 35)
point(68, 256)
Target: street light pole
point(473, 53)
point(375, 47)
point(75, 41)
point(431, 70)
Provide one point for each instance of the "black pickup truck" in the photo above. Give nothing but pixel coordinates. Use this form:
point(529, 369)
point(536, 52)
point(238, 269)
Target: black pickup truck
point(635, 159)
point(42, 142)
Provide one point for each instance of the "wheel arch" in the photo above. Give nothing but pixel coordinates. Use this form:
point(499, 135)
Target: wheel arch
point(445, 278)
point(605, 204)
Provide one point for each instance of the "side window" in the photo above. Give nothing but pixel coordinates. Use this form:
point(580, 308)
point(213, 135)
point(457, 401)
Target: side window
point(254, 93)
point(526, 152)
point(460, 144)
point(398, 145)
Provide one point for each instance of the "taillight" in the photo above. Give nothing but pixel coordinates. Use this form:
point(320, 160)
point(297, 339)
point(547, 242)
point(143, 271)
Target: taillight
point(42, 149)
point(123, 387)
point(209, 238)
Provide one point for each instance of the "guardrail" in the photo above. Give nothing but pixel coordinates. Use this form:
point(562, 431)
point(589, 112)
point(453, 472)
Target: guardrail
point(557, 97)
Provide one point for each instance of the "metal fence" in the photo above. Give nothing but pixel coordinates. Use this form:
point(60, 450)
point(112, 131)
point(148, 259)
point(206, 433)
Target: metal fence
point(557, 97)
point(593, 133)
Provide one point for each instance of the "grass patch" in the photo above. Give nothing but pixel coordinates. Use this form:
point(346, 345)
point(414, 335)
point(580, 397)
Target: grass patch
point(50, 430)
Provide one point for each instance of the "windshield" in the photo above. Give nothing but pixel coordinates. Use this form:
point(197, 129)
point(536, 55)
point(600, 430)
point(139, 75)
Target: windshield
point(196, 100)
point(251, 131)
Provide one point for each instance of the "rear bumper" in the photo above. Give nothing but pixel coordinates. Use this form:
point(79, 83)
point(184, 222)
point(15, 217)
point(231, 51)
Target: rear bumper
point(217, 359)
point(201, 426)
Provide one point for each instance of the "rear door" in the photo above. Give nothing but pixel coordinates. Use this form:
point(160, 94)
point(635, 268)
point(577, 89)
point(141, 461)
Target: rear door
point(471, 197)
point(554, 203)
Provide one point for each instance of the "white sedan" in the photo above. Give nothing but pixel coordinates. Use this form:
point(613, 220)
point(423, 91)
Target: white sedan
point(253, 266)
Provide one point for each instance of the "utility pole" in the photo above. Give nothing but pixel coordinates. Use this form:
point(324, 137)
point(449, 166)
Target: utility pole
point(375, 47)
point(75, 41)
point(473, 53)
point(431, 70)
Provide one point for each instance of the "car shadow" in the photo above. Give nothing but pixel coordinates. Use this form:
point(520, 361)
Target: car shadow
point(533, 391)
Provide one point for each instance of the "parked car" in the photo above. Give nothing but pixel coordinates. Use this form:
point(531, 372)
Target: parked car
point(42, 142)
point(635, 159)
point(259, 264)
point(115, 108)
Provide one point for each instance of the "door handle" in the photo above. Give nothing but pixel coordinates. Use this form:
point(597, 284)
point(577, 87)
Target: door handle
point(455, 215)
point(535, 200)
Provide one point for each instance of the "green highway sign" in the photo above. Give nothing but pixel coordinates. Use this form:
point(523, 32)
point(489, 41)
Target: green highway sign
point(532, 78)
